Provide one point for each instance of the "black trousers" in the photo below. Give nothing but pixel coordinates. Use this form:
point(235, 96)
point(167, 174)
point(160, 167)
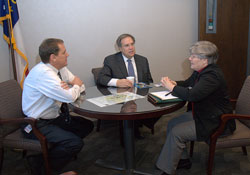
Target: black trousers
point(66, 138)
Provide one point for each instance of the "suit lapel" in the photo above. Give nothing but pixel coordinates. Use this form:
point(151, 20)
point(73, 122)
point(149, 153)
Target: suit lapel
point(122, 65)
point(138, 68)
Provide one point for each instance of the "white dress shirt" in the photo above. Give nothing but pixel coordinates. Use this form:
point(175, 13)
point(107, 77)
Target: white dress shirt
point(43, 94)
point(113, 81)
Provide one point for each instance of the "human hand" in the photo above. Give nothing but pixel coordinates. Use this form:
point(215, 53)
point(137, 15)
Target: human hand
point(76, 81)
point(173, 82)
point(124, 83)
point(168, 83)
point(64, 85)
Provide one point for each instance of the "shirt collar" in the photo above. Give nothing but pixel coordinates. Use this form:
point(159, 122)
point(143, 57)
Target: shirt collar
point(52, 67)
point(125, 58)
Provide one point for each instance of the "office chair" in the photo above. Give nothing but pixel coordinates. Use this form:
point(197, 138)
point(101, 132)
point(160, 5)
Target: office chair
point(11, 117)
point(241, 136)
point(95, 72)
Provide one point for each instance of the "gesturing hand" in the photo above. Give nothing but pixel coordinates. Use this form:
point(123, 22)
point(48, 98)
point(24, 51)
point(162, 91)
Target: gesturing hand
point(168, 83)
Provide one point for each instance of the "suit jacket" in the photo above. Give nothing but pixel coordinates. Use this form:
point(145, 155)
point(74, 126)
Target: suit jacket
point(114, 67)
point(208, 92)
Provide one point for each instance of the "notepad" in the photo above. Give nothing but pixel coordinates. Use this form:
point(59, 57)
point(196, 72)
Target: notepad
point(160, 97)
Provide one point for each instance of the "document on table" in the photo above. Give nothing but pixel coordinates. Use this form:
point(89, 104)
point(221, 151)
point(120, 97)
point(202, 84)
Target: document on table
point(114, 99)
point(162, 95)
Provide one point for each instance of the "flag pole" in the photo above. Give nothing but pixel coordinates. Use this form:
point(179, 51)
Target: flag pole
point(12, 51)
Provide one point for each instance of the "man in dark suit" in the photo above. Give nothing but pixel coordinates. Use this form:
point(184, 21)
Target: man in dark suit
point(116, 69)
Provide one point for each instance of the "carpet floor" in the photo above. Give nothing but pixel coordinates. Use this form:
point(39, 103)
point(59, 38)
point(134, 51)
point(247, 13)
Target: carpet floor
point(105, 145)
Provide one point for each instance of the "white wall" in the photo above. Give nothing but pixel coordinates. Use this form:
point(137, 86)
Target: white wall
point(164, 30)
point(5, 64)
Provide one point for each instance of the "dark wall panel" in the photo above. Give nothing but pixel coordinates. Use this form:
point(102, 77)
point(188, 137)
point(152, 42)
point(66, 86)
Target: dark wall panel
point(231, 39)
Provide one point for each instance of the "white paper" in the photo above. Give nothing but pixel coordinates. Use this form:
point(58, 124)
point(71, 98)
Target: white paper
point(114, 99)
point(162, 95)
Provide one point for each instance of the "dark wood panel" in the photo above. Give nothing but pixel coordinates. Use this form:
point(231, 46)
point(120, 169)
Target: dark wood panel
point(240, 35)
point(231, 39)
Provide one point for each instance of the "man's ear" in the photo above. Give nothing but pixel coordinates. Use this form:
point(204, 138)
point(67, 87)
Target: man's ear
point(52, 58)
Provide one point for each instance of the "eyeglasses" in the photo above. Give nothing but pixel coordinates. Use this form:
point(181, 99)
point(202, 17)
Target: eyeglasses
point(192, 56)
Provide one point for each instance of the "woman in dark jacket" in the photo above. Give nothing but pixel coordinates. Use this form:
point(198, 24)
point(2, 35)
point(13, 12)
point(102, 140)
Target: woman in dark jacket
point(207, 94)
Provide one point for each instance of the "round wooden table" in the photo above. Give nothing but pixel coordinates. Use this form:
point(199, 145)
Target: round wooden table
point(128, 111)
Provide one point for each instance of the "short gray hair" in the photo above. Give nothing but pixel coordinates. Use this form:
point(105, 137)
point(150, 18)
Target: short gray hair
point(122, 36)
point(49, 46)
point(205, 50)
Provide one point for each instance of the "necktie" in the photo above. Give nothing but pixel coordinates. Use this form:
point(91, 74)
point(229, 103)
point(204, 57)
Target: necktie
point(131, 72)
point(64, 107)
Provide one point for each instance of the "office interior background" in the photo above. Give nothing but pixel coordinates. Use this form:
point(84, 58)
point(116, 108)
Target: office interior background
point(163, 29)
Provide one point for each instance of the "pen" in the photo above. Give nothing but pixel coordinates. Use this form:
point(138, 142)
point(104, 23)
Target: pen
point(168, 93)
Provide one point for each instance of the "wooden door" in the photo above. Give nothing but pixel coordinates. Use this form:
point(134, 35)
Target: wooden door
point(231, 38)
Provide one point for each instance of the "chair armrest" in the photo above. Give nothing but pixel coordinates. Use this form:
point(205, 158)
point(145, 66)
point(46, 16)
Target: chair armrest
point(233, 103)
point(30, 121)
point(224, 119)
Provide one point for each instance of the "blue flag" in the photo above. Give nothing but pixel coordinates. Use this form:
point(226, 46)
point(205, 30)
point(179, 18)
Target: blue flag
point(9, 19)
point(8, 11)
